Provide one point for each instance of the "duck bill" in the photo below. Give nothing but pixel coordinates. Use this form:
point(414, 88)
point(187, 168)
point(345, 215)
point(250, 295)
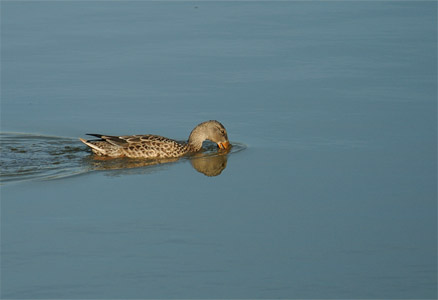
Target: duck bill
point(224, 145)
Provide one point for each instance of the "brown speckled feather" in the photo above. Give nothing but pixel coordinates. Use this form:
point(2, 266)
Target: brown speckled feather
point(139, 146)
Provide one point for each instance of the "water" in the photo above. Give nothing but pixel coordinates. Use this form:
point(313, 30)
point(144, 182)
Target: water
point(328, 192)
point(37, 157)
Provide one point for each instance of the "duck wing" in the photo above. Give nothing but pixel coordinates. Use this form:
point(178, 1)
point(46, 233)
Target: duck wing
point(121, 141)
point(126, 140)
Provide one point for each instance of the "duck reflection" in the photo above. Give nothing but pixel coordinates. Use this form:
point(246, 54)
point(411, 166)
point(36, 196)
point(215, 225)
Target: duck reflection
point(208, 163)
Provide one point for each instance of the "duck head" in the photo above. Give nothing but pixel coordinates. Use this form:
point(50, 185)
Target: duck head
point(211, 130)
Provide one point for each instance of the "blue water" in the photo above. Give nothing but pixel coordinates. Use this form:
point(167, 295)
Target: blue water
point(332, 106)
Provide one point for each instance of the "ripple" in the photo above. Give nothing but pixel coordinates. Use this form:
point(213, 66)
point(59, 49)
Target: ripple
point(26, 156)
point(30, 157)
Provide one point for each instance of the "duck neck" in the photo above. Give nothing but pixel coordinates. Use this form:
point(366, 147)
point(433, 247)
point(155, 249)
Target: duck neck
point(196, 138)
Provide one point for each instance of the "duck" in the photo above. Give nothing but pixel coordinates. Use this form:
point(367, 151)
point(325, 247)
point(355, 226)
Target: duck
point(158, 147)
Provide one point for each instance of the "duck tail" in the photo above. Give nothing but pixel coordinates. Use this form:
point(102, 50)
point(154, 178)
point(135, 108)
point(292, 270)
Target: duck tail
point(95, 148)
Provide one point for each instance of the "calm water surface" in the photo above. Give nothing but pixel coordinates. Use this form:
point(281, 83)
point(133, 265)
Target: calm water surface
point(328, 192)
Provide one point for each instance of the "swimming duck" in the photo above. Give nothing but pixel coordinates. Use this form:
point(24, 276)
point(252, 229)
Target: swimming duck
point(155, 146)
